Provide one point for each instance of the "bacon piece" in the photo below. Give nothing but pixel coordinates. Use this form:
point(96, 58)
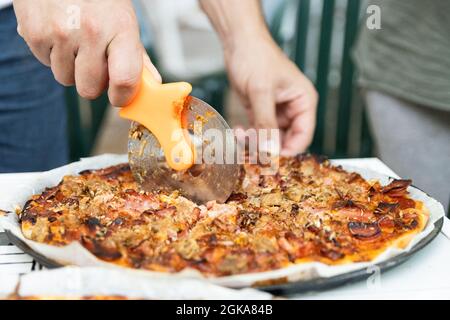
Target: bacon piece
point(331, 254)
point(387, 224)
point(397, 188)
point(237, 197)
point(364, 231)
point(106, 250)
point(386, 208)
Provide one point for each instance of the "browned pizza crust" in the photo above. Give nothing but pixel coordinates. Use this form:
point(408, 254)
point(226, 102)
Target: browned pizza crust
point(309, 211)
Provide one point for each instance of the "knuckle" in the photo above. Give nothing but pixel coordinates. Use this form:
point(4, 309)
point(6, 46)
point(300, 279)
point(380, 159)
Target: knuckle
point(60, 33)
point(62, 79)
point(115, 101)
point(35, 39)
point(127, 20)
point(65, 81)
point(88, 93)
point(265, 123)
point(92, 29)
point(258, 88)
point(125, 82)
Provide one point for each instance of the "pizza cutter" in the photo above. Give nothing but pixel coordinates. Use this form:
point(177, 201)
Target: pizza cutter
point(169, 133)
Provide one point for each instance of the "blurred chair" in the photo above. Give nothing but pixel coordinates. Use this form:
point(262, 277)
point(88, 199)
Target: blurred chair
point(342, 129)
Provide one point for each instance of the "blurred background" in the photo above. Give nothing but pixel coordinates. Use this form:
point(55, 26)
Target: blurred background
point(317, 35)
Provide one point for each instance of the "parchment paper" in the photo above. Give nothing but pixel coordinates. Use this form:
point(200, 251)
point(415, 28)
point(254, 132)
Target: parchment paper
point(75, 282)
point(75, 254)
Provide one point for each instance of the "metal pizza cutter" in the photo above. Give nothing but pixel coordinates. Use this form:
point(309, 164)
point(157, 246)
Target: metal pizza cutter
point(167, 141)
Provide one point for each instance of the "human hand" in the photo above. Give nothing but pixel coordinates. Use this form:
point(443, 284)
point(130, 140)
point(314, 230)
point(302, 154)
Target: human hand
point(274, 91)
point(102, 50)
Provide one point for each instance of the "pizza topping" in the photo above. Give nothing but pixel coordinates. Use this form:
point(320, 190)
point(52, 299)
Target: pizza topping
point(118, 221)
point(361, 230)
point(49, 193)
point(188, 249)
point(331, 254)
point(285, 245)
point(265, 244)
point(296, 194)
point(271, 199)
point(397, 188)
point(106, 250)
point(386, 208)
point(93, 223)
point(405, 203)
point(346, 202)
point(294, 209)
point(239, 196)
point(247, 219)
point(170, 211)
point(232, 264)
point(28, 215)
point(353, 177)
point(387, 224)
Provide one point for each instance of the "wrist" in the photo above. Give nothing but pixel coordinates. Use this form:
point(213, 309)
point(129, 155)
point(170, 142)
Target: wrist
point(247, 40)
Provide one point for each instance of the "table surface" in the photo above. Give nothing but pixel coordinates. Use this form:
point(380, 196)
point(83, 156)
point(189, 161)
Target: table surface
point(425, 276)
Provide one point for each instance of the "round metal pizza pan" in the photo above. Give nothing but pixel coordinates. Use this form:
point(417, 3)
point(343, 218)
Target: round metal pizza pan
point(294, 287)
point(317, 284)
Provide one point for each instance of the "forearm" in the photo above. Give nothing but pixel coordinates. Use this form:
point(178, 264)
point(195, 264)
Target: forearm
point(235, 20)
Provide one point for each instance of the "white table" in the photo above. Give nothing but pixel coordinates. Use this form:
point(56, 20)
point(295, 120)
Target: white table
point(425, 276)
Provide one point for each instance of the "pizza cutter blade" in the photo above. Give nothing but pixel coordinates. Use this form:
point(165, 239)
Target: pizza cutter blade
point(208, 179)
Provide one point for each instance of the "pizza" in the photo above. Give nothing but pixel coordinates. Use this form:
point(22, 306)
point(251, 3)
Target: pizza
point(310, 210)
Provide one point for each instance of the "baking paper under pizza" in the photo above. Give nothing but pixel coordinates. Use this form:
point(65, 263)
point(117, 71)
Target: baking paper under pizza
point(310, 211)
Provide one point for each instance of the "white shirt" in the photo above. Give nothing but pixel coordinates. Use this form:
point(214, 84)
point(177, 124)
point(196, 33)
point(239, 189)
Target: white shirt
point(5, 3)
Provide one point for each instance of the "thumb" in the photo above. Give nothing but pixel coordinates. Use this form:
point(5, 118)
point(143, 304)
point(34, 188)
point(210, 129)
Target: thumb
point(125, 65)
point(151, 67)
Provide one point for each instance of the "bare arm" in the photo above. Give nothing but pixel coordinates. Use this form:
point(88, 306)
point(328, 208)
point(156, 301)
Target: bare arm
point(272, 88)
point(235, 20)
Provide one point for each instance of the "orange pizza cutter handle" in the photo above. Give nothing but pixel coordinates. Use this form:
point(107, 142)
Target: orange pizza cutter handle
point(158, 107)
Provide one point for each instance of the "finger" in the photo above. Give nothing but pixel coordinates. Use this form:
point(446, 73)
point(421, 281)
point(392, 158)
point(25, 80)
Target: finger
point(283, 119)
point(125, 65)
point(263, 109)
point(91, 72)
point(62, 61)
point(240, 134)
point(300, 134)
point(30, 28)
point(150, 66)
point(39, 46)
